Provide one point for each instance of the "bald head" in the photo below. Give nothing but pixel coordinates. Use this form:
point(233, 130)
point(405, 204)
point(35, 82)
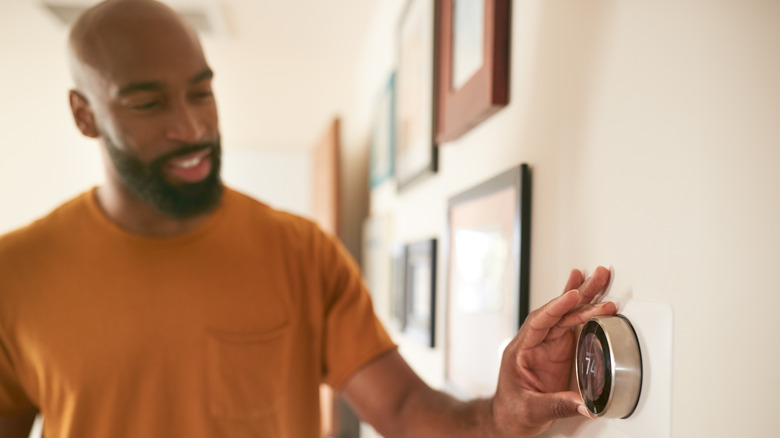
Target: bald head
point(119, 46)
point(114, 36)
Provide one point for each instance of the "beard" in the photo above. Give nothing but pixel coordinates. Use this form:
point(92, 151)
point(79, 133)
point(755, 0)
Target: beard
point(148, 182)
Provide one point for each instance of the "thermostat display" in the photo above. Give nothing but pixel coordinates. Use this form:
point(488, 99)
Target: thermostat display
point(609, 367)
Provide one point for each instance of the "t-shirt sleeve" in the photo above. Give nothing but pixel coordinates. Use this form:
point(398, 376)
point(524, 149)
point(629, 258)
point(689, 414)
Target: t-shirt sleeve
point(353, 335)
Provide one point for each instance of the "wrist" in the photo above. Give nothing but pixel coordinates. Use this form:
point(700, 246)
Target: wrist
point(491, 420)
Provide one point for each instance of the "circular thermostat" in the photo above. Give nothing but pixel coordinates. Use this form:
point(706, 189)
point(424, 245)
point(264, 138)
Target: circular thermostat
point(609, 367)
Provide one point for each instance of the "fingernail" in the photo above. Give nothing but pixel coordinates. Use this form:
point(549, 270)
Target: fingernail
point(583, 411)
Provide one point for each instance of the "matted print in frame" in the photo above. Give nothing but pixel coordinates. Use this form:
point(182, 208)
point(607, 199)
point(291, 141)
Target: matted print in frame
point(473, 80)
point(416, 153)
point(488, 251)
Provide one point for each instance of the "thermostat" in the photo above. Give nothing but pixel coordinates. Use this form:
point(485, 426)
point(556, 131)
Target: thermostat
point(609, 367)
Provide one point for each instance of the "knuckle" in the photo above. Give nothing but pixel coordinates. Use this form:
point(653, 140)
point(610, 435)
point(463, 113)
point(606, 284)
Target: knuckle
point(561, 409)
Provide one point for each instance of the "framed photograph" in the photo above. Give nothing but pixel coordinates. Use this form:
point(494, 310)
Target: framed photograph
point(474, 64)
point(488, 250)
point(421, 292)
point(382, 157)
point(416, 152)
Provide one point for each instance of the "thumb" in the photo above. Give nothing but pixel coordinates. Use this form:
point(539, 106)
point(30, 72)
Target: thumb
point(554, 406)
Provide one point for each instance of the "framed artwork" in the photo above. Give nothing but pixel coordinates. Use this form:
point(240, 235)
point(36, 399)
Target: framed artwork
point(382, 157)
point(488, 250)
point(421, 292)
point(416, 152)
point(398, 288)
point(474, 64)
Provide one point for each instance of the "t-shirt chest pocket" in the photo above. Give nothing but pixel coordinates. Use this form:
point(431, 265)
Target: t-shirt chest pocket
point(246, 372)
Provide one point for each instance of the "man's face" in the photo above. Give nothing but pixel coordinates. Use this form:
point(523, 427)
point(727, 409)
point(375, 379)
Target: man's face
point(154, 109)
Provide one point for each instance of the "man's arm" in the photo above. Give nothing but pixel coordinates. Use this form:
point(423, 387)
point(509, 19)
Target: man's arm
point(389, 395)
point(533, 382)
point(17, 426)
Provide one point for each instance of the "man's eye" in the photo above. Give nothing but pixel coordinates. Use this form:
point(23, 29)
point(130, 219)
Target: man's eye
point(202, 95)
point(143, 106)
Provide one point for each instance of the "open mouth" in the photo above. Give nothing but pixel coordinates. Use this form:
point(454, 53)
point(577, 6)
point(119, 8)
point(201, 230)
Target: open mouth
point(190, 168)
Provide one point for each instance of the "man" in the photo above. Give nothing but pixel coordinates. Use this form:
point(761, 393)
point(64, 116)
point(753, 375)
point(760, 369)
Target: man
point(162, 304)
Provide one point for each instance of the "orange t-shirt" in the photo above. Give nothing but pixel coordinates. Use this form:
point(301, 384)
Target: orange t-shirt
point(226, 331)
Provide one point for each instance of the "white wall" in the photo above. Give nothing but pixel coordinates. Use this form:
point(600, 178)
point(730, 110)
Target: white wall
point(281, 179)
point(652, 131)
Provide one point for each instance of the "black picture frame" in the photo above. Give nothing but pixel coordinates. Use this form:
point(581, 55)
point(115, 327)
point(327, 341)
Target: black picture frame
point(421, 292)
point(488, 265)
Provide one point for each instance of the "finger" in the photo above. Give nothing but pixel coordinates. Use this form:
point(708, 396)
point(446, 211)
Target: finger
point(594, 285)
point(582, 314)
point(575, 280)
point(545, 408)
point(541, 320)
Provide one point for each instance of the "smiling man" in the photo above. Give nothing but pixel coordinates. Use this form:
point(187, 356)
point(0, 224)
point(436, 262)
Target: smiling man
point(163, 304)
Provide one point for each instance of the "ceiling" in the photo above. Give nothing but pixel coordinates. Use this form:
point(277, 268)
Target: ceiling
point(283, 68)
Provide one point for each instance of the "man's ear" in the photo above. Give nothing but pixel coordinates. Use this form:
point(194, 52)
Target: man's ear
point(82, 114)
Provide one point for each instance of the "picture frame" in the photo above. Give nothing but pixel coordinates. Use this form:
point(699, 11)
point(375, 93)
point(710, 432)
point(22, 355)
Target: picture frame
point(421, 292)
point(488, 251)
point(473, 81)
point(416, 152)
point(382, 152)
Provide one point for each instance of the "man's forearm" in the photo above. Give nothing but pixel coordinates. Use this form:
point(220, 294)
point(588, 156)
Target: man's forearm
point(435, 414)
point(387, 394)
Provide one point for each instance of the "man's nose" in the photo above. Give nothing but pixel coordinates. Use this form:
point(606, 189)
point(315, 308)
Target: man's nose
point(185, 124)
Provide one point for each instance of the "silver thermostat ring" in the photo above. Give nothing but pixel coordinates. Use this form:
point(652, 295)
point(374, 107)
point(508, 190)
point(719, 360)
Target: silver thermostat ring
point(623, 360)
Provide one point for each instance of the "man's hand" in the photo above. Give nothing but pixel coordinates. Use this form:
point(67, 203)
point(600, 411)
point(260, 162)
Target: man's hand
point(536, 367)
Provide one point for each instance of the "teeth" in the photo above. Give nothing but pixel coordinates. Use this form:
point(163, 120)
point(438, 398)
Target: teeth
point(186, 164)
point(189, 161)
